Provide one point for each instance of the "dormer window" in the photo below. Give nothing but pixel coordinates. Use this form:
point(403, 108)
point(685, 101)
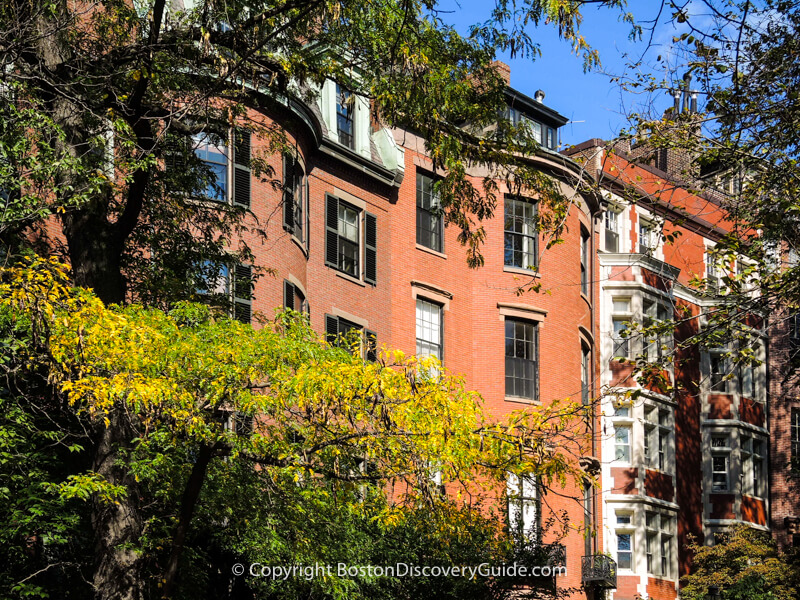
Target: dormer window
point(544, 135)
point(611, 238)
point(344, 117)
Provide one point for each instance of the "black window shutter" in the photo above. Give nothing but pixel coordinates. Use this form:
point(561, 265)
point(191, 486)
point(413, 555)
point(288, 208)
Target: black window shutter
point(372, 345)
point(332, 231)
point(174, 159)
point(288, 295)
point(241, 160)
point(331, 329)
point(242, 293)
point(288, 192)
point(371, 247)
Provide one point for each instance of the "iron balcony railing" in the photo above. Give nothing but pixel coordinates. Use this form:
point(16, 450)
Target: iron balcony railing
point(599, 571)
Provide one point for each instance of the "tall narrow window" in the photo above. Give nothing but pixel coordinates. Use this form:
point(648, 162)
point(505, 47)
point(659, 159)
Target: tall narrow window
point(521, 239)
point(429, 329)
point(338, 331)
point(622, 443)
point(746, 388)
point(584, 262)
point(344, 116)
point(647, 239)
point(294, 198)
point(712, 273)
point(242, 293)
point(429, 220)
point(794, 330)
point(611, 221)
point(293, 297)
point(624, 541)
point(719, 473)
point(794, 433)
point(621, 346)
point(621, 316)
point(718, 371)
point(229, 286)
point(753, 466)
point(213, 151)
point(656, 346)
point(586, 375)
point(521, 359)
point(522, 507)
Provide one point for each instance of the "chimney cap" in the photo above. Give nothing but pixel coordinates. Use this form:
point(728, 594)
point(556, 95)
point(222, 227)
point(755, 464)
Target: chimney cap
point(539, 96)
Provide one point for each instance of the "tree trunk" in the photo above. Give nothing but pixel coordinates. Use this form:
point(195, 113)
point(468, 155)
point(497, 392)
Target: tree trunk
point(188, 503)
point(117, 527)
point(95, 253)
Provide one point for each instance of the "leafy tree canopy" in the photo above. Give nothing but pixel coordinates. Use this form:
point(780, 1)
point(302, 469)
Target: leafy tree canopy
point(744, 564)
point(241, 445)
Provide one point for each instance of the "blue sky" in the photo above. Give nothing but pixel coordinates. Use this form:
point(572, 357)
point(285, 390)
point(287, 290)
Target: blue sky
point(594, 105)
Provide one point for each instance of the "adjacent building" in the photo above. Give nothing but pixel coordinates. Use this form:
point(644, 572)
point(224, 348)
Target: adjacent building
point(684, 450)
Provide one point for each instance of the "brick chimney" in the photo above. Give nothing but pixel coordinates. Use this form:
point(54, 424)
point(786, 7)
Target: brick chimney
point(503, 70)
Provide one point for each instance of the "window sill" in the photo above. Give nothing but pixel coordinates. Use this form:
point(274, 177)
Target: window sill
point(349, 278)
point(752, 497)
point(586, 299)
point(521, 271)
point(521, 400)
point(431, 251)
point(300, 245)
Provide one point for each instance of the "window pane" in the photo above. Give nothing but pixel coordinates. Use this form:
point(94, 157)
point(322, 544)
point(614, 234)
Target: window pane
point(520, 241)
point(520, 359)
point(429, 333)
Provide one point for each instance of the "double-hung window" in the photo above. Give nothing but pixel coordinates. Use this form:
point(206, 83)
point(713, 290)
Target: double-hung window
point(611, 222)
point(429, 329)
point(657, 344)
point(215, 153)
point(648, 241)
point(294, 298)
point(586, 374)
point(720, 463)
point(718, 370)
point(295, 198)
point(232, 287)
point(522, 496)
point(746, 375)
point(753, 471)
point(429, 219)
point(794, 330)
point(622, 442)
point(522, 357)
point(713, 283)
point(351, 240)
point(584, 262)
point(794, 437)
point(340, 332)
point(345, 104)
point(659, 543)
point(657, 436)
point(521, 237)
point(621, 316)
point(624, 536)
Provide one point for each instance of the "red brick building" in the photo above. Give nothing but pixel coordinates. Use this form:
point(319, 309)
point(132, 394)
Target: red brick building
point(688, 461)
point(356, 242)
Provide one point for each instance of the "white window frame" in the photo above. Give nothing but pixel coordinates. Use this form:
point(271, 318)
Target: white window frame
point(726, 457)
point(613, 223)
point(618, 318)
point(522, 494)
point(627, 529)
point(618, 428)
